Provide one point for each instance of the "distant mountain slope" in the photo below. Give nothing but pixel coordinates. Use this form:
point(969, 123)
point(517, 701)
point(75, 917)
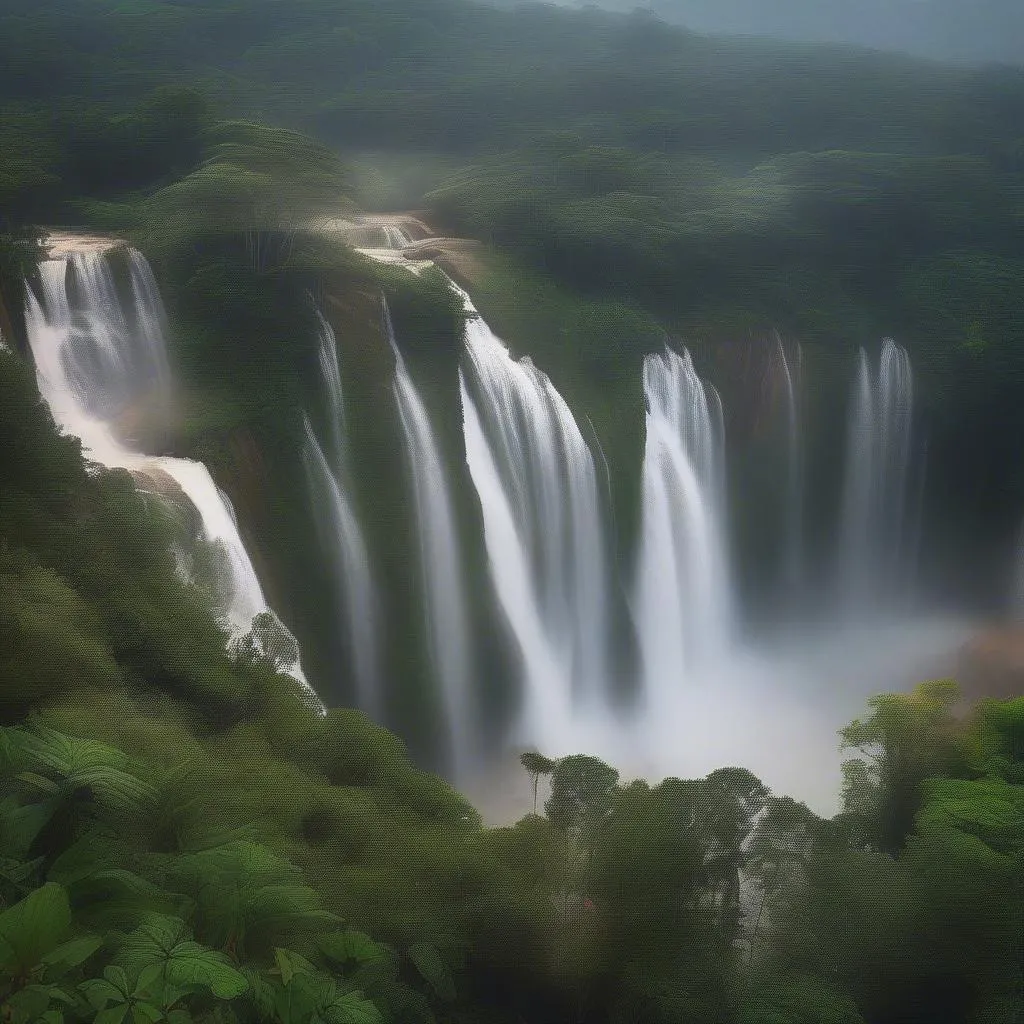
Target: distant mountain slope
point(975, 31)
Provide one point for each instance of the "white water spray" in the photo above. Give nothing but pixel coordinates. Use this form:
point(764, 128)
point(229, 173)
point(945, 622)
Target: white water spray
point(537, 484)
point(394, 237)
point(339, 526)
point(873, 558)
point(683, 600)
point(441, 565)
point(713, 697)
point(793, 562)
point(93, 364)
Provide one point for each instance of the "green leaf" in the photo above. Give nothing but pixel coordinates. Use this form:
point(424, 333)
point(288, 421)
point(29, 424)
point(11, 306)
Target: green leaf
point(146, 1012)
point(296, 1003)
point(71, 954)
point(353, 1008)
point(372, 976)
point(39, 782)
point(19, 825)
point(52, 1017)
point(192, 964)
point(433, 969)
point(17, 871)
point(117, 977)
point(61, 995)
point(283, 965)
point(147, 977)
point(261, 992)
point(115, 1015)
point(99, 992)
point(30, 1003)
point(165, 940)
point(351, 945)
point(33, 927)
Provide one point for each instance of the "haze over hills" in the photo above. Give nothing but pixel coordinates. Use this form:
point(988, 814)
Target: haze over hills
point(974, 31)
point(591, 411)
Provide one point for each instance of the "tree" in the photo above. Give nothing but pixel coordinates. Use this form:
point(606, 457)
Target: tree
point(248, 899)
point(660, 955)
point(723, 810)
point(783, 840)
point(267, 644)
point(537, 765)
point(582, 793)
point(259, 185)
point(906, 739)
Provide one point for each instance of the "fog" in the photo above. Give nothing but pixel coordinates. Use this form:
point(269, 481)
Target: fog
point(974, 31)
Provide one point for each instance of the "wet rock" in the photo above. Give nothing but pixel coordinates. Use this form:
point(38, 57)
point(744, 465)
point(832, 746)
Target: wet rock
point(991, 665)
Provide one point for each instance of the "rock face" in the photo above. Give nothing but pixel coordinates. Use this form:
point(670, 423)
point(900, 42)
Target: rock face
point(62, 244)
point(992, 664)
point(152, 478)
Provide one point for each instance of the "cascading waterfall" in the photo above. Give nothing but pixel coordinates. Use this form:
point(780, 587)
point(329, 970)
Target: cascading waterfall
point(535, 477)
point(330, 370)
point(339, 526)
point(94, 363)
point(245, 595)
point(394, 237)
point(855, 536)
point(151, 319)
point(871, 553)
point(441, 565)
point(547, 701)
point(793, 566)
point(710, 694)
point(683, 603)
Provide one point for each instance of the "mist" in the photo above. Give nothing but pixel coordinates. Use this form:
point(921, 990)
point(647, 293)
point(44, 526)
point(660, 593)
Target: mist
point(961, 31)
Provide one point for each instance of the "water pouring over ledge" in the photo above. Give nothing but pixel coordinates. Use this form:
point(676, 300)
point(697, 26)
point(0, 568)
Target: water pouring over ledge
point(536, 480)
point(341, 530)
point(342, 535)
point(771, 704)
point(683, 605)
point(95, 361)
point(876, 541)
point(441, 571)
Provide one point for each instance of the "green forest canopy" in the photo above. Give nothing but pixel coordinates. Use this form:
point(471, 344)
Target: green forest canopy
point(181, 837)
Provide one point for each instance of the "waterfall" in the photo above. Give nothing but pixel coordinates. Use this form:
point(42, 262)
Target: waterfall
point(793, 559)
point(339, 527)
point(537, 484)
point(683, 601)
point(330, 370)
point(855, 534)
point(357, 594)
point(94, 363)
point(245, 595)
point(394, 237)
point(151, 319)
point(547, 701)
point(440, 562)
point(872, 555)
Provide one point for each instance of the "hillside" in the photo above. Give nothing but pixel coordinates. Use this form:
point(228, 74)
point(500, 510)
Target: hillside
point(662, 225)
point(948, 30)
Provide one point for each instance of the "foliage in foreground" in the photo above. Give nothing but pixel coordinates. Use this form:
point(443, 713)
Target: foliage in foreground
point(183, 839)
point(187, 837)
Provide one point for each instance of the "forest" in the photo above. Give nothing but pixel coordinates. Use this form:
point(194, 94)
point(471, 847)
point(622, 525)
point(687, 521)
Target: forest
point(182, 836)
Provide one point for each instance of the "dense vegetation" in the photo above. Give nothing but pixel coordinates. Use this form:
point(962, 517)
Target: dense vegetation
point(181, 836)
point(704, 188)
point(184, 839)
